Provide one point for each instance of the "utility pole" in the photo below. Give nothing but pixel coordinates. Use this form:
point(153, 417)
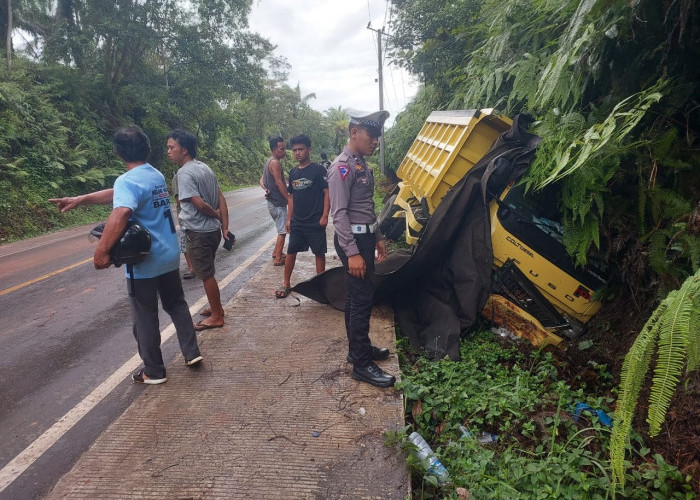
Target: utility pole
point(10, 27)
point(380, 79)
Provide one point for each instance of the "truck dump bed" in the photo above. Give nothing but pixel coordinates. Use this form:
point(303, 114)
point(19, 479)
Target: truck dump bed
point(448, 145)
point(446, 148)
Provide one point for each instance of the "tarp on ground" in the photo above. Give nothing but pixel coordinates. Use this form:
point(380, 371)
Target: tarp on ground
point(439, 287)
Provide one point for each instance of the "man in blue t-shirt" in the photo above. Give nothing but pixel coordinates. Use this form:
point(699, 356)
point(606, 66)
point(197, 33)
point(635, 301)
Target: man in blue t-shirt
point(141, 195)
point(307, 211)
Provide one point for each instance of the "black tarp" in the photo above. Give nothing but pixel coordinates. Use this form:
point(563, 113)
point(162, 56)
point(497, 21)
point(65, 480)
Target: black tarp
point(439, 287)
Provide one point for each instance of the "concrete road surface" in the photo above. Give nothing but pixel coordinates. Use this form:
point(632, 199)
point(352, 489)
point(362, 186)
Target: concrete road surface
point(66, 327)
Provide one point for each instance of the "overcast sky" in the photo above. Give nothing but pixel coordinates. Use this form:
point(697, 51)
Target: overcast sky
point(332, 53)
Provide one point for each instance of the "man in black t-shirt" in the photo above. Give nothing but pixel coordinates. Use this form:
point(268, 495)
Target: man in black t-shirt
point(307, 211)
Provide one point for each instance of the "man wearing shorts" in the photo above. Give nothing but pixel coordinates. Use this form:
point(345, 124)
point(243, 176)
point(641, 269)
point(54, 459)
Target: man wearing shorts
point(307, 211)
point(189, 274)
point(204, 218)
point(272, 181)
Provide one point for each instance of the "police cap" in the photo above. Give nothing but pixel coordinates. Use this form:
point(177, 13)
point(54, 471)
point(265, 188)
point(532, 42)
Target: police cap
point(371, 122)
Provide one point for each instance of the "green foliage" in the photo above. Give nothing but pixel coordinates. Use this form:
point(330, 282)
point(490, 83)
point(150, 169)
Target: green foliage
point(92, 67)
point(541, 452)
point(46, 148)
point(598, 148)
point(671, 332)
point(562, 156)
point(593, 73)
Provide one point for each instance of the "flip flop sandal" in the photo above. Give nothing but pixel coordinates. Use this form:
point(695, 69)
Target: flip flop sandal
point(283, 292)
point(198, 327)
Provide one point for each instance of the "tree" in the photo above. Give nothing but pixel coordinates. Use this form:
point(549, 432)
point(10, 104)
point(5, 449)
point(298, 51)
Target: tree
point(339, 120)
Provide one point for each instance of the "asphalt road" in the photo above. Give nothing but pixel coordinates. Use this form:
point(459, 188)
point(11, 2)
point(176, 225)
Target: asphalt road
point(66, 327)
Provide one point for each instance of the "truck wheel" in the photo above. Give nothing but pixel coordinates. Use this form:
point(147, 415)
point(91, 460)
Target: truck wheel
point(391, 227)
point(396, 229)
point(389, 209)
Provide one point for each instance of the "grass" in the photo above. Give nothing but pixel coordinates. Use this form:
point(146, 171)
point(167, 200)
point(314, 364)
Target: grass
point(77, 217)
point(520, 395)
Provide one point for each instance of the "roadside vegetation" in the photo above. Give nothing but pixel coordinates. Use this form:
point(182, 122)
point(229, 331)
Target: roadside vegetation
point(545, 448)
point(84, 69)
point(613, 88)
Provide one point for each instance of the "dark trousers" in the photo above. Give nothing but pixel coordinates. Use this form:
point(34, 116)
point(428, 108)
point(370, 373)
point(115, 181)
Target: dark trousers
point(359, 299)
point(144, 311)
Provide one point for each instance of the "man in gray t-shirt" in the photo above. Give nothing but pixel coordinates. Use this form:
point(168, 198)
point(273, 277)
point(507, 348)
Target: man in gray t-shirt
point(204, 218)
point(195, 178)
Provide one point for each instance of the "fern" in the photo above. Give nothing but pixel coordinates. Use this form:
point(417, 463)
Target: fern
point(694, 343)
point(593, 142)
point(672, 330)
point(672, 347)
point(634, 370)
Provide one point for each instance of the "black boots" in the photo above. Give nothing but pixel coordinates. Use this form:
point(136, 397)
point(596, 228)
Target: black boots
point(372, 374)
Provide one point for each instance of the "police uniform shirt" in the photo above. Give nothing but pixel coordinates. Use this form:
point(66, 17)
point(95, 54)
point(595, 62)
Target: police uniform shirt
point(350, 186)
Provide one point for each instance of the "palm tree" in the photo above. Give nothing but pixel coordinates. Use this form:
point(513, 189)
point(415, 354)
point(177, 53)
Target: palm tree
point(338, 119)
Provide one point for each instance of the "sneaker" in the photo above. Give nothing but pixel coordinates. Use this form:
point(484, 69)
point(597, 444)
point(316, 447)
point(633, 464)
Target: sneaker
point(142, 378)
point(194, 361)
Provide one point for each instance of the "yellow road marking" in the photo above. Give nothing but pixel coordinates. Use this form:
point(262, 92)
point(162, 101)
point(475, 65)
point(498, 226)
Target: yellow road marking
point(59, 271)
point(46, 276)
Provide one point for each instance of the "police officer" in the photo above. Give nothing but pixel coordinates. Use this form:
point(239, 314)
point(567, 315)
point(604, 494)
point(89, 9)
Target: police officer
point(351, 187)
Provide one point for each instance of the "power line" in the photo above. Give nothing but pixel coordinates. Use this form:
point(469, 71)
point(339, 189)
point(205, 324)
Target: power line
point(393, 86)
point(387, 22)
point(403, 86)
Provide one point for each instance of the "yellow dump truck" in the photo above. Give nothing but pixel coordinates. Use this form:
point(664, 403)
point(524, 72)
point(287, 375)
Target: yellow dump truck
point(538, 291)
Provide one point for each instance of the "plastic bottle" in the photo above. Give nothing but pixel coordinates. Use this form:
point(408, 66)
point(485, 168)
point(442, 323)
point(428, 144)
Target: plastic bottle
point(486, 437)
point(465, 432)
point(482, 437)
point(425, 454)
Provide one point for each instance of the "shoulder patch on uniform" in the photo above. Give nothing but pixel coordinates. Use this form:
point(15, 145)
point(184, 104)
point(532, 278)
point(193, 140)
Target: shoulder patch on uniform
point(343, 171)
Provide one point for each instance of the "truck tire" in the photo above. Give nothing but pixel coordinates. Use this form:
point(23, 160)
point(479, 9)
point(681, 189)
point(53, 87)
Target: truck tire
point(388, 210)
point(391, 227)
point(396, 229)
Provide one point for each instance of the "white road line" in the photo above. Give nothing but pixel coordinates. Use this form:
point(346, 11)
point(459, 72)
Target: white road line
point(29, 455)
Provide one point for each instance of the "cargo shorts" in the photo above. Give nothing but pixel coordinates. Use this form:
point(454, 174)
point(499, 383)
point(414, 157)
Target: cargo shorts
point(201, 247)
